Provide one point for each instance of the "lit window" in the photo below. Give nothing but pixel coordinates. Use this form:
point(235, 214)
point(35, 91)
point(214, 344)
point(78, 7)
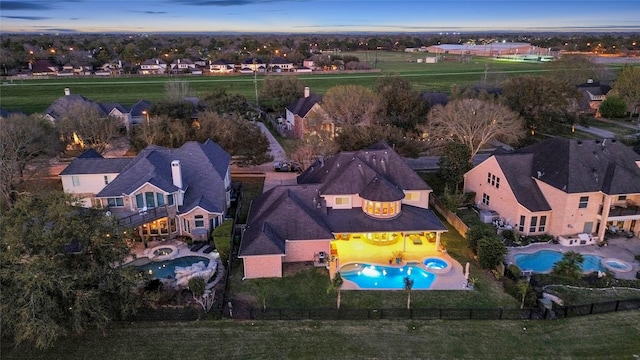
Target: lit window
point(584, 201)
point(343, 200)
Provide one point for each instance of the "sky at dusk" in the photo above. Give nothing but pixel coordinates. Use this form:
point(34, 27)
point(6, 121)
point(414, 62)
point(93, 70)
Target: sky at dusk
point(316, 16)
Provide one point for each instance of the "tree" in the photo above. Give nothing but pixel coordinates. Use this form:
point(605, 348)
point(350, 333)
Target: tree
point(627, 86)
point(221, 102)
point(86, 126)
point(572, 70)
point(280, 91)
point(335, 285)
point(544, 103)
point(58, 275)
point(476, 233)
point(474, 123)
point(570, 265)
point(454, 163)
point(408, 285)
point(174, 109)
point(351, 105)
point(400, 105)
point(523, 291)
point(491, 251)
point(204, 297)
point(613, 107)
point(23, 141)
point(176, 91)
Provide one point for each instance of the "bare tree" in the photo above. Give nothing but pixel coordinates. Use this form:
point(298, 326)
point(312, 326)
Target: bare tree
point(85, 124)
point(474, 123)
point(351, 105)
point(576, 69)
point(23, 140)
point(176, 90)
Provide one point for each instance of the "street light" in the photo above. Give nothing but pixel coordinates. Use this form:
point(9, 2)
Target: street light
point(146, 115)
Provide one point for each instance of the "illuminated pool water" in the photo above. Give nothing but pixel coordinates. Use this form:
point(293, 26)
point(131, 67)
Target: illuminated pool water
point(166, 269)
point(542, 261)
point(368, 276)
point(435, 264)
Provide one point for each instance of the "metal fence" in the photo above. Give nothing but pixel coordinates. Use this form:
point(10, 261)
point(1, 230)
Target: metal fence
point(445, 313)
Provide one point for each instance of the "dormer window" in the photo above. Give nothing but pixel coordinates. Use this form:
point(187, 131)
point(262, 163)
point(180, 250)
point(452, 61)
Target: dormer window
point(381, 209)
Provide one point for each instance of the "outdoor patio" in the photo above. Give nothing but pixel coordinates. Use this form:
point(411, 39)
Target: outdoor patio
point(617, 248)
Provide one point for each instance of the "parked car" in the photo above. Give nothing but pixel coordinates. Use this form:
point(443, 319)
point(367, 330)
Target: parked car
point(287, 166)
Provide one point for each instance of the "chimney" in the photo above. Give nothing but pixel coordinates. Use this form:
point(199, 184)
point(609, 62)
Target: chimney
point(67, 92)
point(307, 92)
point(589, 81)
point(176, 173)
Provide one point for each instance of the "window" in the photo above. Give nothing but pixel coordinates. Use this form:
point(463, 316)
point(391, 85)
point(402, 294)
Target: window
point(534, 224)
point(139, 201)
point(497, 183)
point(117, 201)
point(199, 223)
point(493, 180)
point(75, 180)
point(343, 200)
point(485, 199)
point(543, 223)
point(150, 200)
point(160, 199)
point(584, 201)
point(622, 197)
point(412, 196)
point(106, 180)
point(185, 224)
point(521, 225)
point(170, 199)
point(488, 178)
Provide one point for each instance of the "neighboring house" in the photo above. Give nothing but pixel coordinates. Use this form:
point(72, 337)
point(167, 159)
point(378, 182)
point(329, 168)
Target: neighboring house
point(221, 66)
point(302, 69)
point(352, 207)
point(43, 68)
point(162, 192)
point(153, 66)
point(300, 113)
point(180, 66)
point(252, 65)
point(593, 94)
point(279, 64)
point(139, 112)
point(562, 187)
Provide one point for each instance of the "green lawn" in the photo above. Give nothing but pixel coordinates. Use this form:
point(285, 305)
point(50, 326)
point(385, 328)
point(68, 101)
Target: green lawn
point(251, 188)
point(581, 296)
point(36, 95)
point(604, 336)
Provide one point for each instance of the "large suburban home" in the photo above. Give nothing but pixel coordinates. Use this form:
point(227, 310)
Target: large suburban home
point(593, 94)
point(153, 66)
point(180, 66)
point(574, 190)
point(252, 65)
point(163, 193)
point(353, 207)
point(305, 115)
point(279, 64)
point(221, 66)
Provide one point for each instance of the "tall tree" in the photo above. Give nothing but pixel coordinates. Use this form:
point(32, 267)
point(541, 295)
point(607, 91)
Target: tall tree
point(351, 105)
point(177, 91)
point(575, 69)
point(400, 105)
point(543, 102)
point(454, 163)
point(58, 275)
point(474, 123)
point(280, 91)
point(627, 86)
point(24, 140)
point(85, 124)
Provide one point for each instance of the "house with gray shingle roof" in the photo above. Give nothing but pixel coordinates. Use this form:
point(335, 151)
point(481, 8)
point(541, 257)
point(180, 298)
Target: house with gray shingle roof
point(593, 94)
point(299, 115)
point(562, 187)
point(279, 64)
point(163, 192)
point(354, 206)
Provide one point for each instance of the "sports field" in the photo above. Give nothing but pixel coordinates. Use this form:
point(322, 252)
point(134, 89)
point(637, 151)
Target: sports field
point(35, 95)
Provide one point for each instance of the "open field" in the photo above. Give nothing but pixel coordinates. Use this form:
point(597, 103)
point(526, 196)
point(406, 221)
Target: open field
point(35, 95)
point(604, 336)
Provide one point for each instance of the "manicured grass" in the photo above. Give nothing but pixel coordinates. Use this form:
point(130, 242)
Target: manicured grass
point(35, 95)
point(604, 336)
point(251, 188)
point(580, 296)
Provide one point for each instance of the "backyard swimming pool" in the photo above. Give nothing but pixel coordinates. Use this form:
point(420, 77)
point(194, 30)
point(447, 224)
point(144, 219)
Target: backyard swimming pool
point(542, 261)
point(368, 276)
point(166, 269)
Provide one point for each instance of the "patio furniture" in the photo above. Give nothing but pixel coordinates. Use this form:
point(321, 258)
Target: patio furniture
point(197, 246)
point(209, 249)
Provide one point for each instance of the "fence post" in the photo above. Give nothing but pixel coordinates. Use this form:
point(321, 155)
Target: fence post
point(591, 309)
point(565, 312)
point(440, 316)
point(617, 304)
point(470, 313)
point(500, 314)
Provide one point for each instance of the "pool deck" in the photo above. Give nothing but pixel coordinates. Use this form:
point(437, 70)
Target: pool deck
point(618, 248)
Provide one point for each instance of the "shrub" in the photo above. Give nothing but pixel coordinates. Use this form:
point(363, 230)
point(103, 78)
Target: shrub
point(512, 288)
point(638, 257)
point(513, 272)
point(509, 235)
point(570, 265)
point(491, 252)
point(613, 107)
point(476, 233)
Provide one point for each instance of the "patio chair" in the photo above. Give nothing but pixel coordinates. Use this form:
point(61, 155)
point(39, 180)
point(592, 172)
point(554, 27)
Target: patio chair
point(197, 246)
point(209, 249)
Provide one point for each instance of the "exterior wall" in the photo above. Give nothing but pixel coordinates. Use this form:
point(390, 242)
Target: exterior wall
point(304, 250)
point(568, 218)
point(262, 266)
point(422, 201)
point(90, 184)
point(190, 219)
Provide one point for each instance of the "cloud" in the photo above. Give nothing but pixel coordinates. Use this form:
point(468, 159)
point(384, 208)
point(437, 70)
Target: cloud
point(225, 2)
point(26, 17)
point(22, 5)
point(150, 12)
